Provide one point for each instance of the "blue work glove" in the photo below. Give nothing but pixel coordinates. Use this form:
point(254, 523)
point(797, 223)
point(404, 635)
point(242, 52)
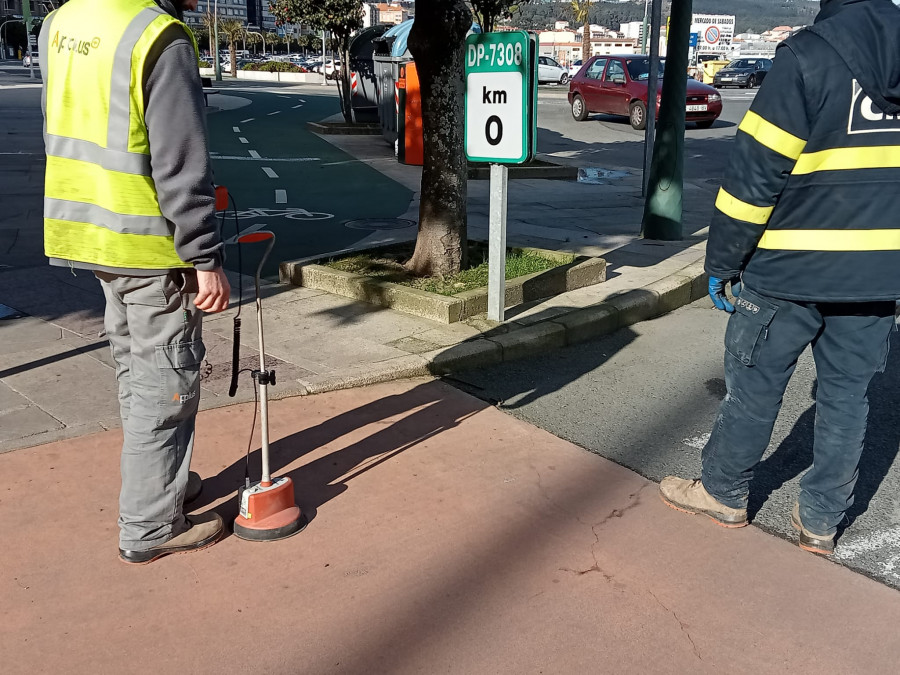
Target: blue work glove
point(717, 293)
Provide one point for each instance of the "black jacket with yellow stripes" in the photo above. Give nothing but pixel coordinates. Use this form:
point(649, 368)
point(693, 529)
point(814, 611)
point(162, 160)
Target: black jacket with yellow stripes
point(810, 206)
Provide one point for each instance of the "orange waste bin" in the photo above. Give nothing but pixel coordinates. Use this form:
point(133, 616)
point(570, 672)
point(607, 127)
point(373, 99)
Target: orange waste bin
point(410, 143)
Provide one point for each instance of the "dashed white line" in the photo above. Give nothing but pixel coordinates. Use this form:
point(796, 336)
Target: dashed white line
point(243, 140)
point(274, 112)
point(249, 119)
point(280, 96)
point(268, 171)
point(255, 157)
point(236, 130)
point(300, 105)
point(301, 100)
point(281, 196)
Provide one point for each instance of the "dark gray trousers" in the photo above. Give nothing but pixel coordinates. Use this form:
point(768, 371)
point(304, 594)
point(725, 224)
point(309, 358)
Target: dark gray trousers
point(764, 339)
point(154, 333)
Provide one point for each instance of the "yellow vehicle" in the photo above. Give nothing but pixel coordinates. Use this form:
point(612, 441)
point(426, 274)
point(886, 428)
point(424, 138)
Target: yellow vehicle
point(710, 68)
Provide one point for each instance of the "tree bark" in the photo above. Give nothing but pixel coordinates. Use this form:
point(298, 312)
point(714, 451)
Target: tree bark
point(344, 82)
point(437, 44)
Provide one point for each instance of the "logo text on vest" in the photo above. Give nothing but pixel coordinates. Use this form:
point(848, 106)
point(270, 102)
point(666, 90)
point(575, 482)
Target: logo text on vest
point(84, 47)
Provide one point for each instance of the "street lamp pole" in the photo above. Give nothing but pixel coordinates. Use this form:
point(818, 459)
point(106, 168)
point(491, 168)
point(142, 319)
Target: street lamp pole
point(261, 34)
point(324, 83)
point(644, 31)
point(26, 13)
point(218, 64)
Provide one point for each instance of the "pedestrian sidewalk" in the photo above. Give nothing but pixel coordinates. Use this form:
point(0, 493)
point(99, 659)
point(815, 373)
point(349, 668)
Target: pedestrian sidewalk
point(56, 378)
point(426, 552)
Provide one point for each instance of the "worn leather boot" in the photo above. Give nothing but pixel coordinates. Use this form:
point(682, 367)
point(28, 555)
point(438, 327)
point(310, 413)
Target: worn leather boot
point(194, 487)
point(203, 530)
point(814, 543)
point(690, 496)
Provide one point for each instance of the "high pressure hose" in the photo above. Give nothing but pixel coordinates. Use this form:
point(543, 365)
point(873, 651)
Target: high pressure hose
point(236, 333)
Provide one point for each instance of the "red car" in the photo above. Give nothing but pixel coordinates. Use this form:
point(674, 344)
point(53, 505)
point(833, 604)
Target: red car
point(617, 85)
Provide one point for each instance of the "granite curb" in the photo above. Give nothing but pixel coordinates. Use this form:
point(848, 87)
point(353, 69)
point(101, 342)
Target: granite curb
point(511, 340)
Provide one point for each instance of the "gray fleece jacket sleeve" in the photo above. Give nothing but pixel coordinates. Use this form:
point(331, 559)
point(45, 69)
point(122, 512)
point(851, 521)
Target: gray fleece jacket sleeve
point(179, 148)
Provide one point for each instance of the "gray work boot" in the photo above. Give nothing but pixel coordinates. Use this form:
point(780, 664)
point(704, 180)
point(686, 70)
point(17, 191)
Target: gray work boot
point(203, 530)
point(691, 497)
point(194, 487)
point(814, 543)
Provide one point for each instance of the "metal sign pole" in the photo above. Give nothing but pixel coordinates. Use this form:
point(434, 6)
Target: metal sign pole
point(497, 244)
point(26, 14)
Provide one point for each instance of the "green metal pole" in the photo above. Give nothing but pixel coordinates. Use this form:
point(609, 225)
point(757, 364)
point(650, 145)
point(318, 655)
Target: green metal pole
point(665, 193)
point(217, 62)
point(644, 31)
point(26, 14)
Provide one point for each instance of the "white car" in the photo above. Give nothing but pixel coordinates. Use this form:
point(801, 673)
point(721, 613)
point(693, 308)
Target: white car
point(332, 69)
point(549, 70)
point(574, 68)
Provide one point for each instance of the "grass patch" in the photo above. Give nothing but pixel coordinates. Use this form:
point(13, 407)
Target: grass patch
point(387, 264)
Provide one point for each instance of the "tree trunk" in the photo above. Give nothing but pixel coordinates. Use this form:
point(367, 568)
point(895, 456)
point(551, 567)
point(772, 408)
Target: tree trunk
point(437, 44)
point(344, 82)
point(232, 48)
point(586, 41)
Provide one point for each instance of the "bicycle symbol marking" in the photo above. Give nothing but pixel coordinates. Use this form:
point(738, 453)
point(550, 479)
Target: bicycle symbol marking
point(288, 213)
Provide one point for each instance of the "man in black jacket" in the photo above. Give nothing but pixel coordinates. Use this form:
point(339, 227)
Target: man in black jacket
point(807, 233)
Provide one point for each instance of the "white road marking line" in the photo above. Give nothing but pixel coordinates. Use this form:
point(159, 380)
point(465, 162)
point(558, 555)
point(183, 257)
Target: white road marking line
point(300, 105)
point(249, 119)
point(301, 100)
point(268, 171)
point(281, 96)
point(281, 196)
point(256, 157)
point(254, 154)
point(242, 139)
point(275, 112)
point(236, 130)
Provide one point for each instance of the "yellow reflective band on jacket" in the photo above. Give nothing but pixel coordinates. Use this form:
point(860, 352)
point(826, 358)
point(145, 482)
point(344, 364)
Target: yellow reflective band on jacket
point(773, 137)
point(831, 240)
point(101, 204)
point(733, 207)
point(84, 242)
point(847, 159)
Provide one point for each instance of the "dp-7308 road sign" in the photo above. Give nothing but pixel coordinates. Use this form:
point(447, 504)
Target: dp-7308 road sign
point(500, 97)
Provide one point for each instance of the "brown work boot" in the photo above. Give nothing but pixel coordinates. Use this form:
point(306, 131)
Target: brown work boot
point(203, 530)
point(814, 543)
point(691, 497)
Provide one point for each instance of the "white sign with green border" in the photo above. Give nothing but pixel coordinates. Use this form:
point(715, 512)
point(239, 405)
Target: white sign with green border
point(500, 97)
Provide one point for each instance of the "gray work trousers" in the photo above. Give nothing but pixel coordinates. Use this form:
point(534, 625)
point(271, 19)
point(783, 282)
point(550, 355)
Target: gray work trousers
point(154, 333)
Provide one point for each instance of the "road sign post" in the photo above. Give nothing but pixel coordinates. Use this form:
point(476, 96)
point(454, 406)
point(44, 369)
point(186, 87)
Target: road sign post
point(501, 127)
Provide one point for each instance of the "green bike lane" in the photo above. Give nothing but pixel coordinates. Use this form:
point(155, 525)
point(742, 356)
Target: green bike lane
point(291, 181)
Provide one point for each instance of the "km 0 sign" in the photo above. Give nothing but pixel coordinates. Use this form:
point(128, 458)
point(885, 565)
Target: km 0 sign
point(500, 96)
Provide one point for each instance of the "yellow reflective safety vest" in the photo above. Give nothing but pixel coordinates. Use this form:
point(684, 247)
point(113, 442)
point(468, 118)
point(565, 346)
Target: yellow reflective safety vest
point(100, 202)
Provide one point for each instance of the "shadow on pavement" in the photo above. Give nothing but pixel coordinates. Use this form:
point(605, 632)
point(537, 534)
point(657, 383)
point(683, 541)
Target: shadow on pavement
point(408, 420)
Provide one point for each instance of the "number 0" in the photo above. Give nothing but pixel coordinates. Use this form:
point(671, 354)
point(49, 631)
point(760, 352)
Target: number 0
point(493, 120)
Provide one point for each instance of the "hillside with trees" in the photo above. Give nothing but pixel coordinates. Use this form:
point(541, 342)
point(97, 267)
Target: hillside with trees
point(752, 16)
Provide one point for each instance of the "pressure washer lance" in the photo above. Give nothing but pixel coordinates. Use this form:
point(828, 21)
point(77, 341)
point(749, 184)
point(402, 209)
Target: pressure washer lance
point(267, 509)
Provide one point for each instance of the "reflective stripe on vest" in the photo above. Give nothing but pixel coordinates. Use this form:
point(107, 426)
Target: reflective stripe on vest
point(101, 204)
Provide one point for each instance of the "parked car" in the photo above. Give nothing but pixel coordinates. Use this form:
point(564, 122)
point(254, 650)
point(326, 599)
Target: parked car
point(574, 68)
point(745, 73)
point(549, 70)
point(27, 60)
point(617, 85)
point(332, 69)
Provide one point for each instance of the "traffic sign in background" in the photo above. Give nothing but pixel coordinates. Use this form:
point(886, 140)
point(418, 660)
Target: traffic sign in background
point(500, 82)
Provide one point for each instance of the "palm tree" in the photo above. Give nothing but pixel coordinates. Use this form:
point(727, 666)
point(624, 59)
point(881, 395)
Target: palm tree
point(582, 11)
point(233, 31)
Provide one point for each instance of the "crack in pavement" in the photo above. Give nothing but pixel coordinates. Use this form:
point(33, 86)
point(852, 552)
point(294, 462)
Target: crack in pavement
point(680, 624)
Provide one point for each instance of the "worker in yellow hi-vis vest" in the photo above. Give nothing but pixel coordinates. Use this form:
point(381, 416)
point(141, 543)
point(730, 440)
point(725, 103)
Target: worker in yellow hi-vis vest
point(129, 197)
point(806, 223)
